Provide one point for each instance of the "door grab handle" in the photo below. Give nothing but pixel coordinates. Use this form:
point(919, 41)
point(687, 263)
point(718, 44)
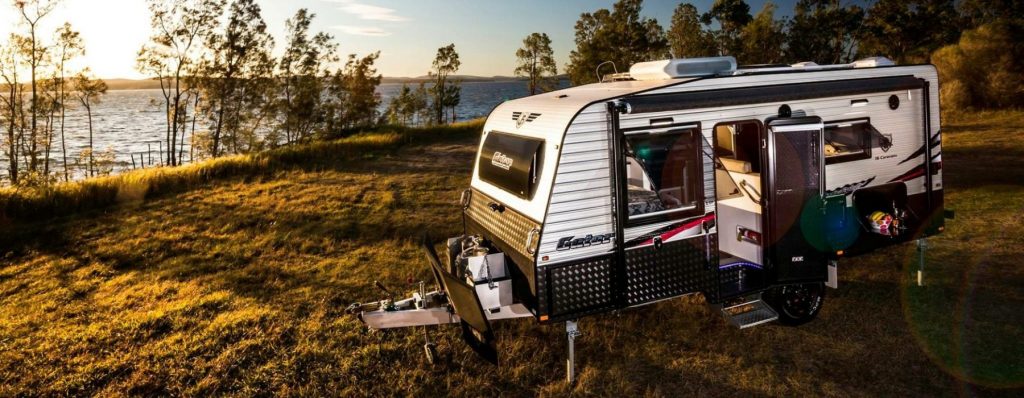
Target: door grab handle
point(747, 188)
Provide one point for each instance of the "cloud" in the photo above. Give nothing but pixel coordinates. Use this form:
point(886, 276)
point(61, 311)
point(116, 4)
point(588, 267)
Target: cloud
point(362, 30)
point(369, 12)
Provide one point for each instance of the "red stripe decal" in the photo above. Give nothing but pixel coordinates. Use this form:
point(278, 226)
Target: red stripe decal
point(682, 228)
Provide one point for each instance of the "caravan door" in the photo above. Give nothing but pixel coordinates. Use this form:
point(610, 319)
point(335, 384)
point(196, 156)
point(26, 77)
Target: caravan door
point(794, 182)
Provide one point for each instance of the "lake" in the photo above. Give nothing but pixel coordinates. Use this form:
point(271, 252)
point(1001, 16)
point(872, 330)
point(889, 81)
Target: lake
point(131, 122)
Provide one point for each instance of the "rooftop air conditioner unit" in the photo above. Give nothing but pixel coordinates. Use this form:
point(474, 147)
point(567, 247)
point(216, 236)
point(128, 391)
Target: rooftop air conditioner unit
point(873, 62)
point(688, 67)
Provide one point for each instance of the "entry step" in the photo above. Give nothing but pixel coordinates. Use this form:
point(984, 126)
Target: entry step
point(749, 314)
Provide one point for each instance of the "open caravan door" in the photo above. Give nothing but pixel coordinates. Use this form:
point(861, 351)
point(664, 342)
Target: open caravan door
point(795, 181)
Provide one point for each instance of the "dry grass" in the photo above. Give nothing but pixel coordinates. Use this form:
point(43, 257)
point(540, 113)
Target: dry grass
point(27, 204)
point(238, 287)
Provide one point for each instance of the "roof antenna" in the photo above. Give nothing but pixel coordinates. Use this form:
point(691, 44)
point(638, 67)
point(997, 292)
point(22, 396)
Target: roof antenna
point(597, 71)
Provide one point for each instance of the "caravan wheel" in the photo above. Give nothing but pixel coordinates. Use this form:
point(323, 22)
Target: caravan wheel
point(796, 304)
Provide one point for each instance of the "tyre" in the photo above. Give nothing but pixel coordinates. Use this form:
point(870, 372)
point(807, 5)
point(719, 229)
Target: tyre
point(796, 304)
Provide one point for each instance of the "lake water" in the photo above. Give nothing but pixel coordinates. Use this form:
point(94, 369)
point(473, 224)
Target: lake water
point(131, 122)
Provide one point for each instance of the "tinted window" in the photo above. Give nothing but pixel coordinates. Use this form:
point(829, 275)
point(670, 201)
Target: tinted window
point(848, 141)
point(663, 174)
point(510, 162)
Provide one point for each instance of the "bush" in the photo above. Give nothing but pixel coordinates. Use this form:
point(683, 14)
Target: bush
point(984, 70)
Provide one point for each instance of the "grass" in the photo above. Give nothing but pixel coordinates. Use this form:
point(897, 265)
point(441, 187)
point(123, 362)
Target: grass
point(46, 202)
point(237, 286)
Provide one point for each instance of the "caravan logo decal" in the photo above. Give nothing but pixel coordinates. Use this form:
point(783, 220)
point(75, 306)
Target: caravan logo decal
point(501, 161)
point(523, 118)
point(572, 242)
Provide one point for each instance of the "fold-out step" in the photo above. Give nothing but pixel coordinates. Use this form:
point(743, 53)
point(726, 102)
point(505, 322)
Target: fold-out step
point(749, 314)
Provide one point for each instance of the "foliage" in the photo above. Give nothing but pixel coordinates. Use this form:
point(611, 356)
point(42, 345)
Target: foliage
point(12, 113)
point(303, 70)
point(35, 54)
point(985, 69)
point(172, 55)
point(445, 63)
point(687, 37)
point(88, 91)
point(620, 36)
point(68, 45)
point(823, 31)
point(975, 13)
point(908, 31)
point(236, 79)
point(410, 107)
point(353, 94)
point(763, 38)
point(731, 16)
point(536, 62)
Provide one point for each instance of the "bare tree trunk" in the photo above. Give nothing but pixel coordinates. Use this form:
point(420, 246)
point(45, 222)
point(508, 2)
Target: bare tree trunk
point(35, 101)
point(63, 144)
point(49, 143)
point(215, 151)
point(63, 108)
point(195, 115)
point(92, 150)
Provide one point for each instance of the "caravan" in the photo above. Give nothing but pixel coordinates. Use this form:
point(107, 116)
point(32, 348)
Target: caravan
point(689, 176)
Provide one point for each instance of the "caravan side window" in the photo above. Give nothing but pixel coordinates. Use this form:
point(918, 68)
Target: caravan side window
point(848, 141)
point(663, 175)
point(511, 162)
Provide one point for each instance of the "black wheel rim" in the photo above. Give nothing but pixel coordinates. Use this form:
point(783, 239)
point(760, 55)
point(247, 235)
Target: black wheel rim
point(801, 301)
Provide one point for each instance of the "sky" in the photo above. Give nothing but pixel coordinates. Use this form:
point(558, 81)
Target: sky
point(486, 33)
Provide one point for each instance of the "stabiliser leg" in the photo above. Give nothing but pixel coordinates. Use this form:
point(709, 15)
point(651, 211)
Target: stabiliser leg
point(571, 333)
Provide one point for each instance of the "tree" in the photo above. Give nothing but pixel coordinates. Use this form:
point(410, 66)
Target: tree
point(48, 107)
point(687, 37)
point(302, 74)
point(452, 97)
point(239, 64)
point(419, 104)
point(33, 11)
point(173, 53)
point(1009, 13)
point(88, 92)
point(445, 63)
point(763, 38)
point(732, 16)
point(68, 46)
point(537, 63)
point(909, 30)
point(13, 111)
point(823, 31)
point(354, 94)
point(620, 36)
point(397, 112)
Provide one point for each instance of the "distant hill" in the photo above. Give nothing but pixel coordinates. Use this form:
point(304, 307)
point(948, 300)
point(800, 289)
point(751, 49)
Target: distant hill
point(129, 84)
point(147, 84)
point(465, 78)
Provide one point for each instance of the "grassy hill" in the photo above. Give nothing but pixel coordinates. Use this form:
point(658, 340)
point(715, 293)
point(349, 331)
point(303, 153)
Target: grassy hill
point(236, 284)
